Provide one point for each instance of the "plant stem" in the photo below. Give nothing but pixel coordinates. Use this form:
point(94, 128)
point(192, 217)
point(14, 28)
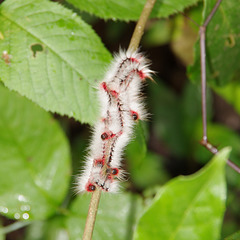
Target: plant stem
point(92, 213)
point(203, 80)
point(203, 68)
point(134, 43)
point(210, 16)
point(139, 29)
point(202, 33)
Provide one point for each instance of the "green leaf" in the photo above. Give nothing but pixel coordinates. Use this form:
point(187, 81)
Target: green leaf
point(55, 57)
point(235, 236)
point(130, 10)
point(116, 217)
point(222, 45)
point(34, 158)
point(51, 229)
point(188, 207)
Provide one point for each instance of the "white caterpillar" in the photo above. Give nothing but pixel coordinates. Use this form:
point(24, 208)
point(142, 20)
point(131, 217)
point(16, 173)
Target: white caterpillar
point(120, 104)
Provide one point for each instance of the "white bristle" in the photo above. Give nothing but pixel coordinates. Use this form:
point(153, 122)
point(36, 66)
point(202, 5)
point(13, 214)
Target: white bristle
point(120, 106)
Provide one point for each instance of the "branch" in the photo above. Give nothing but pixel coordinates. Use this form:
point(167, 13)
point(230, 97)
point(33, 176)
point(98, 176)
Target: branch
point(139, 29)
point(204, 141)
point(134, 43)
point(92, 213)
point(214, 150)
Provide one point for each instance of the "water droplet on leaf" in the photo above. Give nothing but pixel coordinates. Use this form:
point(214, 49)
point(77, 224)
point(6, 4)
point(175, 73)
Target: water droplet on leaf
point(16, 215)
point(25, 216)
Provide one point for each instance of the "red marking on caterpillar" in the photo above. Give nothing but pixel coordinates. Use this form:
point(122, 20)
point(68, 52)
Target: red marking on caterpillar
point(90, 187)
point(134, 60)
point(104, 136)
point(134, 115)
point(119, 93)
point(114, 171)
point(107, 135)
point(99, 162)
point(109, 177)
point(104, 86)
point(114, 93)
point(141, 75)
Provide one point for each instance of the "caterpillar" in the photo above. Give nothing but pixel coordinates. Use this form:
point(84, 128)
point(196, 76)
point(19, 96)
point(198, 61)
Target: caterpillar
point(121, 106)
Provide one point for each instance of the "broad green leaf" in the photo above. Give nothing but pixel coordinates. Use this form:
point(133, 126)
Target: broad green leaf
point(222, 45)
point(130, 10)
point(235, 236)
point(116, 217)
point(188, 207)
point(53, 57)
point(34, 158)
point(51, 229)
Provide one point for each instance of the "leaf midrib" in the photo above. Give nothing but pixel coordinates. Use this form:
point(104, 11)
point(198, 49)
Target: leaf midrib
point(173, 235)
point(42, 41)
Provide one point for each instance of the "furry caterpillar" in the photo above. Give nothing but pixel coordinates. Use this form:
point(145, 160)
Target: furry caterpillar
point(120, 104)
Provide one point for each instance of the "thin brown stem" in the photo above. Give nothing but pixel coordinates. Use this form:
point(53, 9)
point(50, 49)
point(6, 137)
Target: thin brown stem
point(139, 29)
point(233, 166)
point(92, 213)
point(202, 33)
point(203, 81)
point(134, 43)
point(203, 67)
point(210, 16)
point(214, 150)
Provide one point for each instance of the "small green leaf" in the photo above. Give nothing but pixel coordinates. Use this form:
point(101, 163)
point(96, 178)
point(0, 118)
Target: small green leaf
point(51, 56)
point(116, 217)
point(189, 207)
point(34, 158)
point(130, 10)
point(222, 45)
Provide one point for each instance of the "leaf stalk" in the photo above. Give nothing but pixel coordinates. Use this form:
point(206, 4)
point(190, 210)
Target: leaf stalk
point(202, 33)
